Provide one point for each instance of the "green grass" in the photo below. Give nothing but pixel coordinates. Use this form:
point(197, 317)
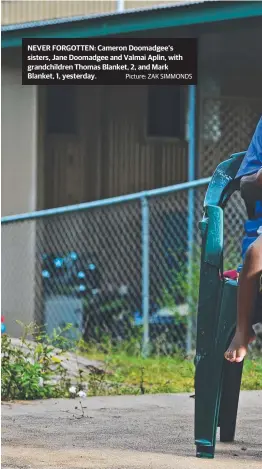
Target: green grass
point(135, 375)
point(252, 376)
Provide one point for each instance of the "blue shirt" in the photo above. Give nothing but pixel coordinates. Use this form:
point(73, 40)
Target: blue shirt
point(251, 164)
point(253, 158)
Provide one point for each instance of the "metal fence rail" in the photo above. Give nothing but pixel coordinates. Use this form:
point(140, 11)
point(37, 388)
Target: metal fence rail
point(116, 269)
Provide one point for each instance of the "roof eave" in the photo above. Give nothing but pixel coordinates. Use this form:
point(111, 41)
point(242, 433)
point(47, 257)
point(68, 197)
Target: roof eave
point(135, 21)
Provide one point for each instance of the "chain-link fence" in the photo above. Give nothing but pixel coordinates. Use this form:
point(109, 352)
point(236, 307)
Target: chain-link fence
point(225, 123)
point(117, 272)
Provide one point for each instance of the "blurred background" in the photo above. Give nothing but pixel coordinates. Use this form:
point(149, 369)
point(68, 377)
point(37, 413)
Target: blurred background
point(103, 266)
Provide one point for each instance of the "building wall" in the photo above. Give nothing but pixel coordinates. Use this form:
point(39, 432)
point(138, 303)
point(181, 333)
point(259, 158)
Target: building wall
point(19, 187)
point(22, 11)
point(132, 161)
point(111, 154)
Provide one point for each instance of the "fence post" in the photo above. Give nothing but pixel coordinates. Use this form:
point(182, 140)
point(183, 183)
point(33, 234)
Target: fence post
point(145, 273)
point(120, 5)
point(191, 196)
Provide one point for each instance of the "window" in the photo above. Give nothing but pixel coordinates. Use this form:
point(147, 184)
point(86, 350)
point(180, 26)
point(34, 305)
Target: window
point(61, 110)
point(166, 111)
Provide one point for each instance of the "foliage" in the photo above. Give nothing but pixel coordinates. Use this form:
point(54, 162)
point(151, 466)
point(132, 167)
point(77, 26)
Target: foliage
point(127, 374)
point(34, 370)
point(252, 375)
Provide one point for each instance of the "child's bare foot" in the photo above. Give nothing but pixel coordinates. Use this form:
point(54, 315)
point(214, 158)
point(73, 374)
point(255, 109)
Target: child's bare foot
point(237, 350)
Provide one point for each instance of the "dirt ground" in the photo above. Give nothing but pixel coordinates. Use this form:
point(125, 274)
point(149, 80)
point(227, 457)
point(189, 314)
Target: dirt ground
point(142, 432)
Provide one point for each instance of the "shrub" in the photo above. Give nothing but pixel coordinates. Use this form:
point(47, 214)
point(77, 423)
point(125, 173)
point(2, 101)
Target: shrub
point(33, 370)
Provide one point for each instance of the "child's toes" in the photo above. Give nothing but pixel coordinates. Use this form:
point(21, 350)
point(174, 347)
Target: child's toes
point(240, 354)
point(230, 355)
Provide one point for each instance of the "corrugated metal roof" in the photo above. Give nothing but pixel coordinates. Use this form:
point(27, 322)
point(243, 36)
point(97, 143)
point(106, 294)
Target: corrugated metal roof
point(74, 19)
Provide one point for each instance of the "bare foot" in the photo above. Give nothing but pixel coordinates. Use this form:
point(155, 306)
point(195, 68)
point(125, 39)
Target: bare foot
point(237, 350)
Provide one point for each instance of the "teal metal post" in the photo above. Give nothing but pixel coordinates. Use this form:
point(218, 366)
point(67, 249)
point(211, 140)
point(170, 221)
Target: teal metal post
point(191, 196)
point(145, 273)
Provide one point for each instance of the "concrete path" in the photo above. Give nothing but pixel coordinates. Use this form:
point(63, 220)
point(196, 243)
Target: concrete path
point(142, 432)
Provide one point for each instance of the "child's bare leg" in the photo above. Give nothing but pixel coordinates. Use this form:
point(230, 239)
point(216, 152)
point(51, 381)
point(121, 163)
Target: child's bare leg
point(247, 292)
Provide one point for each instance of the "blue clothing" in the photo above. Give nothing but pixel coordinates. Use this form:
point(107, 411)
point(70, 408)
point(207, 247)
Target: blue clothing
point(253, 158)
point(251, 164)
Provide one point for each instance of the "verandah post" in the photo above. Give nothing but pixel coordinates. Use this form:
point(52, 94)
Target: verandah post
point(191, 201)
point(145, 273)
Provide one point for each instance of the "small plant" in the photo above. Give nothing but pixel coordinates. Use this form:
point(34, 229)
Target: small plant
point(34, 370)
